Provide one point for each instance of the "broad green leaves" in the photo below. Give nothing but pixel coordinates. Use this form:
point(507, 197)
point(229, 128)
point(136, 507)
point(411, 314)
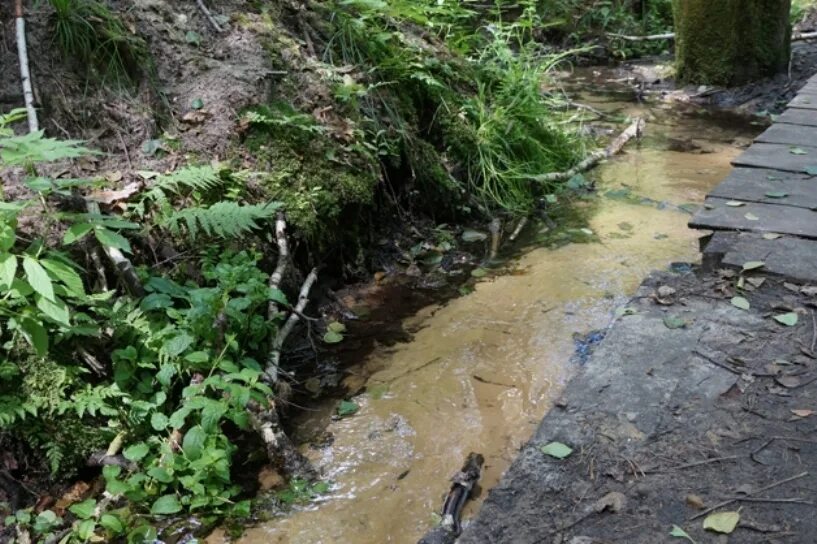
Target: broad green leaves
point(722, 522)
point(8, 268)
point(38, 278)
point(788, 319)
point(166, 505)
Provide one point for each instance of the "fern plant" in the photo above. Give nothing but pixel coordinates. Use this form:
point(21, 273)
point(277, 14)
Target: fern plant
point(221, 220)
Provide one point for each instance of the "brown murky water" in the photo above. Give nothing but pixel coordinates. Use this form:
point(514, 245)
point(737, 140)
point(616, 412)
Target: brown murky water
point(483, 369)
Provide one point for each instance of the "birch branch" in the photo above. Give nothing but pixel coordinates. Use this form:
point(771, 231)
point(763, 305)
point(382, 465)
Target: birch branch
point(25, 73)
point(796, 37)
point(274, 359)
point(209, 16)
point(633, 131)
point(124, 268)
point(281, 266)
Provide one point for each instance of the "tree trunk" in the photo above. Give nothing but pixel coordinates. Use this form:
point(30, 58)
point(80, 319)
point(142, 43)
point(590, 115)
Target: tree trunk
point(731, 42)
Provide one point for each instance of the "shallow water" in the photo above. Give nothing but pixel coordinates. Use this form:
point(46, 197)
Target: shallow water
point(482, 370)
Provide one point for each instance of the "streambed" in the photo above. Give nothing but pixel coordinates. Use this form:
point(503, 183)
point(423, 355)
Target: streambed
point(482, 370)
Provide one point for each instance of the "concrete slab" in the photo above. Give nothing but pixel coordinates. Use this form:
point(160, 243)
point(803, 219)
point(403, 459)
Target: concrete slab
point(756, 184)
point(756, 217)
point(778, 157)
point(793, 258)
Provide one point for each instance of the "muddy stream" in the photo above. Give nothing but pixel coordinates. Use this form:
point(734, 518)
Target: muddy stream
point(482, 370)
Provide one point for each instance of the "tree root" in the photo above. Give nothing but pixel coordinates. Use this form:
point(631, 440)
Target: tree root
point(633, 131)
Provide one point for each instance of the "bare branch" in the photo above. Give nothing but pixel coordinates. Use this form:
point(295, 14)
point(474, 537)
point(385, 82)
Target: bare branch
point(209, 16)
point(25, 73)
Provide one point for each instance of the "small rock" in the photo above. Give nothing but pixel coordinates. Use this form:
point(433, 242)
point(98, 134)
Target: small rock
point(613, 501)
point(666, 291)
point(694, 501)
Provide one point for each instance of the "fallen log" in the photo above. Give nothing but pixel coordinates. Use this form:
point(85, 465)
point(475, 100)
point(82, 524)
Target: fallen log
point(462, 485)
point(796, 37)
point(633, 131)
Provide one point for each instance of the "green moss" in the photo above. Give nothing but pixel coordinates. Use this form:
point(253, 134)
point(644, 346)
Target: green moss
point(730, 42)
point(315, 177)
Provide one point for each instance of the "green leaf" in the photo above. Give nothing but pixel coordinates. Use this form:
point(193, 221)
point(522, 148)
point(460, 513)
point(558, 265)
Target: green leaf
point(776, 194)
point(680, 533)
point(811, 170)
point(347, 408)
point(771, 236)
point(111, 523)
point(67, 275)
point(76, 231)
point(84, 509)
point(336, 326)
point(556, 450)
point(160, 474)
point(470, 235)
point(751, 217)
point(197, 104)
point(722, 522)
point(110, 238)
point(7, 236)
point(193, 38)
point(753, 265)
point(155, 301)
point(136, 452)
point(740, 302)
point(38, 278)
point(166, 505)
point(36, 335)
point(790, 319)
point(798, 151)
point(674, 322)
point(193, 442)
point(159, 421)
point(735, 203)
point(332, 337)
point(85, 530)
point(8, 268)
point(56, 310)
point(479, 273)
point(278, 296)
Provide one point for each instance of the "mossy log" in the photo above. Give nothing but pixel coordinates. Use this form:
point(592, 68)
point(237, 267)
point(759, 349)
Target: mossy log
point(731, 42)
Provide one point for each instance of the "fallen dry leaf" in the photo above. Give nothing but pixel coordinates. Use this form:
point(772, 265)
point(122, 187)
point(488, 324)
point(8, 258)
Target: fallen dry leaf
point(802, 413)
point(694, 501)
point(110, 197)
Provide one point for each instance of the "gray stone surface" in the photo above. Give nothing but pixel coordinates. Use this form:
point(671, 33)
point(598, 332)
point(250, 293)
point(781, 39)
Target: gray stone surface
point(798, 117)
point(781, 133)
point(777, 157)
point(755, 184)
point(793, 258)
point(718, 215)
point(804, 101)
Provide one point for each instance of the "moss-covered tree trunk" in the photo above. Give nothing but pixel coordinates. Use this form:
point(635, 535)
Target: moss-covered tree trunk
point(731, 42)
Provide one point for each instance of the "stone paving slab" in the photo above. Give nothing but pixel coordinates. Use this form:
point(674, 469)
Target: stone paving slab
point(781, 133)
point(756, 184)
point(798, 117)
point(756, 217)
point(778, 157)
point(792, 258)
point(804, 101)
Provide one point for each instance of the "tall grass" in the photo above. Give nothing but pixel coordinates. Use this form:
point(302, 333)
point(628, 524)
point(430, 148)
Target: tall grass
point(89, 33)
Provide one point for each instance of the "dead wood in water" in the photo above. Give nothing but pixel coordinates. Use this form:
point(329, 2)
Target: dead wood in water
point(633, 131)
point(280, 449)
point(462, 485)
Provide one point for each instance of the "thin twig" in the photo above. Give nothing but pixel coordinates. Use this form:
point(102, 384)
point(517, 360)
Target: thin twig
point(209, 16)
point(717, 363)
point(764, 499)
point(761, 490)
point(707, 461)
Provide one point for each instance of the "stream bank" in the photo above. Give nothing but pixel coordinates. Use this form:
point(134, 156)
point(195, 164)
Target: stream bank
point(478, 372)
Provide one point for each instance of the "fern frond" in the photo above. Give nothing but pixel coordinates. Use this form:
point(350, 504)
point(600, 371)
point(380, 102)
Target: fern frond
point(221, 220)
point(193, 178)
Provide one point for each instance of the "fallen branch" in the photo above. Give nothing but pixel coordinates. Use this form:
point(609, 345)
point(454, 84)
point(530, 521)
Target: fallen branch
point(124, 268)
point(462, 484)
point(796, 37)
point(209, 16)
point(518, 230)
point(633, 131)
point(281, 266)
point(648, 38)
point(274, 359)
point(25, 74)
point(495, 227)
point(280, 449)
